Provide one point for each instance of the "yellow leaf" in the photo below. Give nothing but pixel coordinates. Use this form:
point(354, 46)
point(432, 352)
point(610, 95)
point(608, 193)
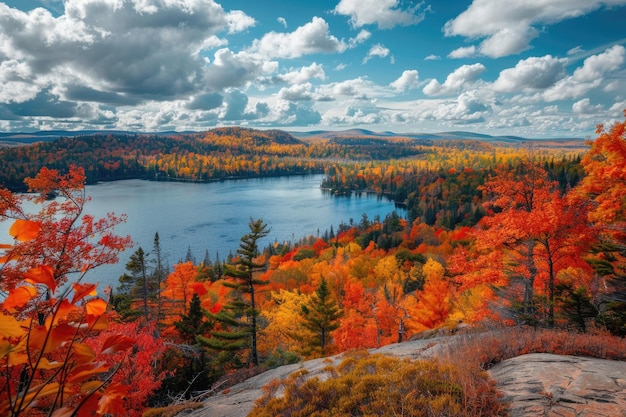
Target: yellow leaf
point(10, 327)
point(96, 307)
point(24, 230)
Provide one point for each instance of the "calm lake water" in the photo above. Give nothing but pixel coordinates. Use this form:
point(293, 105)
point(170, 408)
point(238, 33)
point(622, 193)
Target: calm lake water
point(214, 216)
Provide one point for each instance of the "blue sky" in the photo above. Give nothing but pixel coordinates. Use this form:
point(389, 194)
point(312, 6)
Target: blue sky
point(535, 68)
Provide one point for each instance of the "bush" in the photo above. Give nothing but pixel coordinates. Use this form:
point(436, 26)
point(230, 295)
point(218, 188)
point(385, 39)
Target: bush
point(377, 385)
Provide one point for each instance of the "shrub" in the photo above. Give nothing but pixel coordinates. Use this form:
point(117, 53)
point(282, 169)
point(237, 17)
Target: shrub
point(377, 385)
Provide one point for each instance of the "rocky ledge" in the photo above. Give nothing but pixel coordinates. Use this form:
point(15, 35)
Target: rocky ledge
point(538, 384)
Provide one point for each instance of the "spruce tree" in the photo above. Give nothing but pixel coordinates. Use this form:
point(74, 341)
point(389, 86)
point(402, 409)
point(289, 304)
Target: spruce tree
point(238, 318)
point(321, 315)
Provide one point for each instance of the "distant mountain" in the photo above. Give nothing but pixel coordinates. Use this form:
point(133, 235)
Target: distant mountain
point(452, 135)
point(285, 137)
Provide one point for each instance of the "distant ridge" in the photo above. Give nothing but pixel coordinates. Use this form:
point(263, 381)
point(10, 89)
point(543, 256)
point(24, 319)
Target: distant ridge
point(47, 135)
point(453, 135)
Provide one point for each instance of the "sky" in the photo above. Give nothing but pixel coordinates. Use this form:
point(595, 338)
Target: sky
point(533, 68)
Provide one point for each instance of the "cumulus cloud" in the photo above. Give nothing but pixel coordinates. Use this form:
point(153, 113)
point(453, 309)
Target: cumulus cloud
point(584, 106)
point(282, 21)
point(509, 27)
point(455, 81)
point(112, 52)
point(207, 101)
point(288, 113)
point(463, 52)
point(311, 38)
point(236, 107)
point(303, 74)
point(384, 13)
point(535, 73)
point(299, 92)
point(408, 80)
point(359, 88)
point(231, 69)
point(588, 76)
point(378, 51)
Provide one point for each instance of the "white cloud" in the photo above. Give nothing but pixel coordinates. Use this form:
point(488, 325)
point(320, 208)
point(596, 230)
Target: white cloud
point(455, 81)
point(587, 77)
point(408, 80)
point(432, 57)
point(299, 92)
point(311, 38)
point(576, 50)
point(384, 13)
point(509, 27)
point(282, 21)
point(376, 51)
point(120, 51)
point(303, 74)
point(359, 88)
point(584, 106)
point(535, 73)
point(361, 37)
point(238, 21)
point(463, 52)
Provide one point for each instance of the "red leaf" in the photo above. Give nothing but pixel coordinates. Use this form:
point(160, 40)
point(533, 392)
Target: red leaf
point(116, 343)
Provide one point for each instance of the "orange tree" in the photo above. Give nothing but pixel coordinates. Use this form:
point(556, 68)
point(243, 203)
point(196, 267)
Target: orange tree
point(46, 366)
point(605, 186)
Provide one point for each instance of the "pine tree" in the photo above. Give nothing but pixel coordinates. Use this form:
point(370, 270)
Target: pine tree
point(321, 315)
point(239, 317)
point(135, 286)
point(159, 274)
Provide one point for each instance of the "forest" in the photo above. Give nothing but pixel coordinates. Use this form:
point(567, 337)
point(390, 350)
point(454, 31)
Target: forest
point(504, 236)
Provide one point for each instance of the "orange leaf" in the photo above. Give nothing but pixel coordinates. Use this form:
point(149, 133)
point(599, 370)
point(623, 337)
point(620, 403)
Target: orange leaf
point(24, 230)
point(111, 402)
point(96, 307)
point(5, 246)
point(10, 327)
point(83, 290)
point(116, 343)
point(82, 372)
point(42, 275)
point(83, 353)
point(19, 296)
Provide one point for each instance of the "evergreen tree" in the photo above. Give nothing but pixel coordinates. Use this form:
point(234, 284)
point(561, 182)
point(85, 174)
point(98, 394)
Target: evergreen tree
point(321, 315)
point(135, 286)
point(159, 275)
point(193, 374)
point(239, 317)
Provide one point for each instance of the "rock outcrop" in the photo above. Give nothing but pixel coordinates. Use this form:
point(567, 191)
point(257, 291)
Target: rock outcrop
point(534, 385)
point(542, 384)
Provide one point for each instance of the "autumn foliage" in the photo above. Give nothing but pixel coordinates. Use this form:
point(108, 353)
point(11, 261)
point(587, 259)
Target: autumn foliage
point(48, 367)
point(494, 235)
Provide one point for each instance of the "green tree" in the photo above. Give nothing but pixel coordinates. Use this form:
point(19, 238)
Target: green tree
point(134, 287)
point(239, 316)
point(191, 325)
point(321, 315)
point(158, 275)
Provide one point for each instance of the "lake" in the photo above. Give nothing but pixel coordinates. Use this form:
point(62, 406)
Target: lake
point(213, 216)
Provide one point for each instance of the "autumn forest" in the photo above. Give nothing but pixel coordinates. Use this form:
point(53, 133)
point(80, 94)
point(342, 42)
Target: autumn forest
point(498, 234)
